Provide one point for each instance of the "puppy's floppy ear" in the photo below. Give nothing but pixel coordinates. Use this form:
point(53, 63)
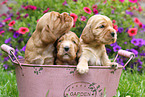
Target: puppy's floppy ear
point(47, 36)
point(87, 34)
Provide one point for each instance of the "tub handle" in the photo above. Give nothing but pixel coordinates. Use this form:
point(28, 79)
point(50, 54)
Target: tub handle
point(7, 49)
point(126, 54)
point(10, 51)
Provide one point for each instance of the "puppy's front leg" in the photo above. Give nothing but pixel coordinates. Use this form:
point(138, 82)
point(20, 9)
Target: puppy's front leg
point(82, 66)
point(107, 62)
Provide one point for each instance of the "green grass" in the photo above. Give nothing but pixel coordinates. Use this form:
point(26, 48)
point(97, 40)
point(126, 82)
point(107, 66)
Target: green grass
point(131, 84)
point(8, 86)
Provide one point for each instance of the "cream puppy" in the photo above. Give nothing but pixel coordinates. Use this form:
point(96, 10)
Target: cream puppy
point(97, 33)
point(40, 46)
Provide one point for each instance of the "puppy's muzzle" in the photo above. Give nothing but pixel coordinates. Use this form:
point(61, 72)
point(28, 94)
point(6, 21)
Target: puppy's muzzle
point(66, 48)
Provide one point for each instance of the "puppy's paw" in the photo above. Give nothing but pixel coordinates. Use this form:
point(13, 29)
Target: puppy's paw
point(114, 65)
point(82, 69)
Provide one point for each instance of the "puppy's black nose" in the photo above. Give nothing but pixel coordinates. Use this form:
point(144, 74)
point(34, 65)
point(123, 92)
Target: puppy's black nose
point(66, 48)
point(112, 34)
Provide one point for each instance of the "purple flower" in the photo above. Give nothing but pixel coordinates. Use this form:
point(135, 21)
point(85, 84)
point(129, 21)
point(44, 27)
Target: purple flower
point(134, 51)
point(108, 50)
point(125, 42)
point(39, 8)
point(132, 66)
point(139, 62)
point(129, 13)
point(116, 48)
point(113, 44)
point(16, 34)
point(28, 25)
point(120, 61)
point(5, 66)
point(142, 54)
point(126, 29)
point(1, 29)
point(135, 41)
point(141, 42)
point(20, 57)
point(26, 15)
point(139, 68)
point(142, 31)
point(6, 59)
point(20, 40)
point(64, 3)
point(120, 29)
point(143, 27)
point(8, 40)
point(2, 24)
point(16, 51)
point(29, 34)
point(11, 15)
point(112, 12)
point(23, 49)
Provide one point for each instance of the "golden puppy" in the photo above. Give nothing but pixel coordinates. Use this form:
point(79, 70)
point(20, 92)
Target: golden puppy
point(68, 49)
point(97, 33)
point(39, 49)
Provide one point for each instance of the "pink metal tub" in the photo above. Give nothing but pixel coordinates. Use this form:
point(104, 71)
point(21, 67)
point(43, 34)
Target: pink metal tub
point(63, 80)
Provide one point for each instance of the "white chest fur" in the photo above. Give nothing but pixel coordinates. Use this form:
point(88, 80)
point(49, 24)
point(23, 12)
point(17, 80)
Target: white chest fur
point(95, 58)
point(95, 61)
point(94, 54)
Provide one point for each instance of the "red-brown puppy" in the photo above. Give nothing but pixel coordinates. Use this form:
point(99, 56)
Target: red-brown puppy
point(68, 49)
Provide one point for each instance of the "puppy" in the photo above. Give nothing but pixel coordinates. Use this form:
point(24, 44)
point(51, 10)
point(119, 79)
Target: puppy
point(68, 49)
point(97, 33)
point(39, 48)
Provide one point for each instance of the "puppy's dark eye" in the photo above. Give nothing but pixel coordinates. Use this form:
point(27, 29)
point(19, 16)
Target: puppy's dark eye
point(74, 42)
point(102, 26)
point(59, 41)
